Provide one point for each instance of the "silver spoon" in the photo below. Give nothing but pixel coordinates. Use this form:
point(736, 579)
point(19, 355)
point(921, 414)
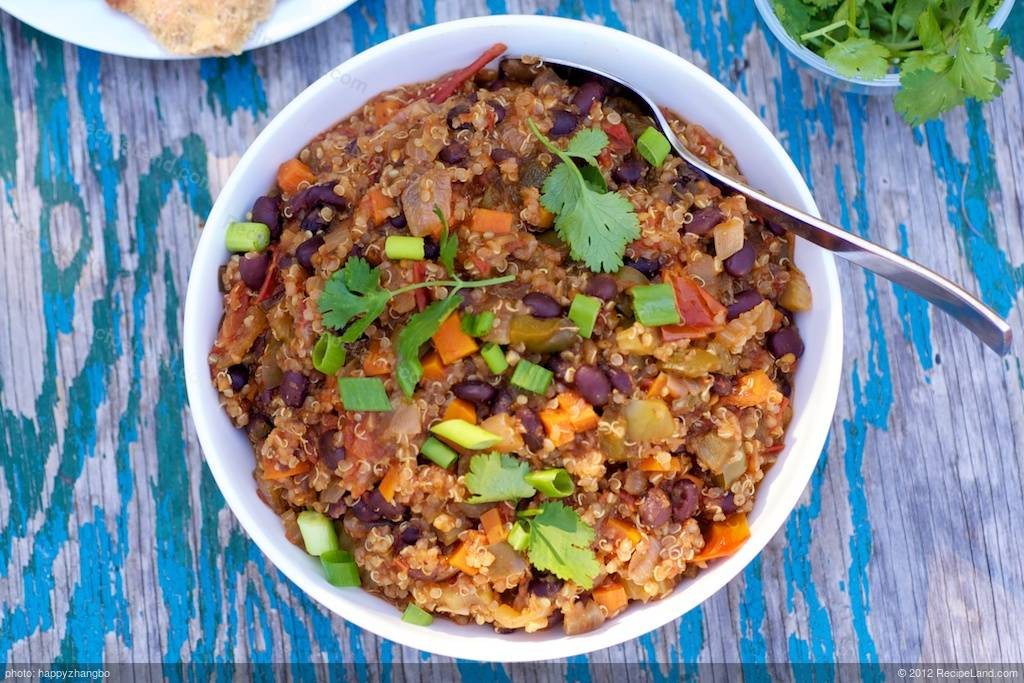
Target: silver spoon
point(947, 295)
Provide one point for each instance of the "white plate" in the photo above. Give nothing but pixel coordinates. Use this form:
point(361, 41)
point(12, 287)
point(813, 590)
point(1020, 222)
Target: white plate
point(426, 54)
point(93, 24)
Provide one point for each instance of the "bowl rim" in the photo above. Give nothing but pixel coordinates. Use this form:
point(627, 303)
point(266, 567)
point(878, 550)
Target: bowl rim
point(825, 383)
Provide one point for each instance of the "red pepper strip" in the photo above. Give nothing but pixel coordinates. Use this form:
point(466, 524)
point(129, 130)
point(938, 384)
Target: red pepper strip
point(774, 449)
point(619, 138)
point(419, 274)
point(444, 89)
point(268, 280)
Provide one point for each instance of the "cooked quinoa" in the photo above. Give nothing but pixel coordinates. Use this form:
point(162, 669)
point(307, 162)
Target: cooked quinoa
point(664, 430)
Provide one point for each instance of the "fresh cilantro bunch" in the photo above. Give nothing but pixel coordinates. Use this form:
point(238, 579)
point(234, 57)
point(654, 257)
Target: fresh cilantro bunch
point(944, 49)
point(595, 224)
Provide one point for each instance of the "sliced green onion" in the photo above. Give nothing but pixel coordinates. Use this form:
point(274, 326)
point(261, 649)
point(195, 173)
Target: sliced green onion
point(402, 247)
point(653, 146)
point(531, 377)
point(478, 324)
point(243, 237)
point(417, 616)
point(340, 569)
point(519, 535)
point(655, 304)
point(437, 452)
point(583, 312)
point(465, 434)
point(318, 534)
point(555, 483)
point(329, 353)
point(363, 393)
point(495, 358)
point(592, 176)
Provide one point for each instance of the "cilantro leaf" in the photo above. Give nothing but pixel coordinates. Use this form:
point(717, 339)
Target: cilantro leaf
point(560, 543)
point(495, 477)
point(587, 144)
point(448, 243)
point(595, 225)
point(353, 291)
point(417, 332)
point(859, 57)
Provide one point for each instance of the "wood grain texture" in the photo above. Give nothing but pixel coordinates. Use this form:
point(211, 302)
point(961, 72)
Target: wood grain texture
point(116, 545)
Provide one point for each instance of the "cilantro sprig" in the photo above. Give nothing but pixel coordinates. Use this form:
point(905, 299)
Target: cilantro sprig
point(944, 49)
point(594, 223)
point(495, 477)
point(559, 542)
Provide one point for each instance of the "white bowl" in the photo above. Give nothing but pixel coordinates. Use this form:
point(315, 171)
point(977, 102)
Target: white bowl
point(425, 54)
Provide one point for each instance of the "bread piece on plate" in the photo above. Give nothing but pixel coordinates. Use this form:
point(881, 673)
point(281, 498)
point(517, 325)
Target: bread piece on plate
point(198, 27)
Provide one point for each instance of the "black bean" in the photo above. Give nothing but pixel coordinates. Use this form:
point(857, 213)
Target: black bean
point(743, 302)
point(304, 252)
point(785, 387)
point(313, 222)
point(563, 122)
point(316, 195)
point(336, 509)
point(630, 171)
point(266, 210)
point(558, 366)
point(648, 266)
point(545, 586)
point(293, 388)
point(685, 498)
point(330, 449)
point(352, 148)
point(502, 401)
point(239, 376)
point(532, 173)
point(786, 340)
point(603, 287)
point(722, 385)
point(497, 84)
point(742, 262)
point(727, 503)
point(454, 153)
point(703, 220)
point(499, 111)
point(381, 506)
point(398, 221)
point(475, 391)
point(499, 155)
point(517, 70)
point(593, 385)
point(587, 94)
point(408, 536)
point(775, 228)
point(455, 112)
point(364, 512)
point(533, 430)
point(655, 508)
point(619, 379)
point(542, 305)
point(431, 249)
point(253, 270)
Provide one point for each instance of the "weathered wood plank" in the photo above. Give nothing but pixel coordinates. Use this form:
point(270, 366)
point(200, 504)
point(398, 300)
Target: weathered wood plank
point(115, 544)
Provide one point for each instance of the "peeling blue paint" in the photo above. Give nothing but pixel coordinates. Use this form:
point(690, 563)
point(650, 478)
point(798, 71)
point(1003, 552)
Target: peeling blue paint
point(914, 316)
point(233, 84)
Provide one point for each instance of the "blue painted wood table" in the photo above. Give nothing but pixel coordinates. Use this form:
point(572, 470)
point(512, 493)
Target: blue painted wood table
point(116, 545)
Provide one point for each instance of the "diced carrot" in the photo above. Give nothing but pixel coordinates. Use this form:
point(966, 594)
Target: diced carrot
point(379, 205)
point(624, 529)
point(611, 595)
point(558, 426)
point(271, 472)
point(389, 484)
point(377, 362)
point(546, 218)
point(657, 386)
point(581, 414)
point(459, 409)
point(489, 220)
point(458, 558)
point(724, 538)
point(451, 342)
point(493, 525)
point(433, 368)
point(293, 173)
point(384, 110)
point(652, 464)
point(752, 389)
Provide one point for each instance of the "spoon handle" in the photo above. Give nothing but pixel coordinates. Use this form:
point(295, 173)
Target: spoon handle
point(947, 295)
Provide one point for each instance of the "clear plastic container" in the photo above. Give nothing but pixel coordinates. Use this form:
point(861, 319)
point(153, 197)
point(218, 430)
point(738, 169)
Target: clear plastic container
point(887, 85)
